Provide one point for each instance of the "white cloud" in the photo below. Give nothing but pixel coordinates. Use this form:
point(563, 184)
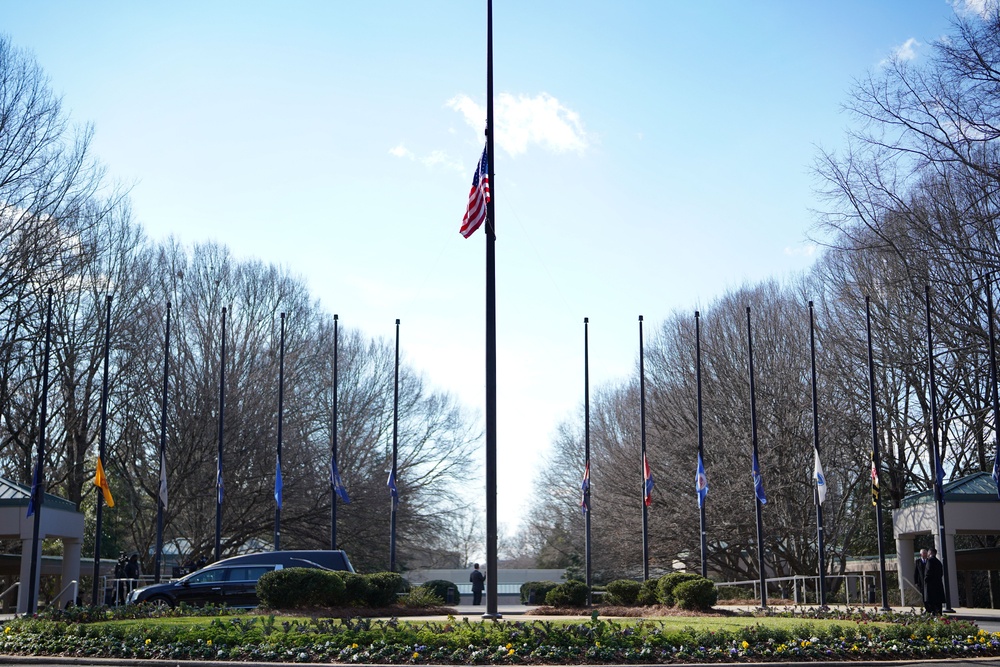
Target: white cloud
point(523, 121)
point(401, 151)
point(906, 51)
point(805, 250)
point(979, 7)
point(441, 158)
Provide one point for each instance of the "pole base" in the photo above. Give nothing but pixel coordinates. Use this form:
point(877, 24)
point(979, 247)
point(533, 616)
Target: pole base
point(492, 617)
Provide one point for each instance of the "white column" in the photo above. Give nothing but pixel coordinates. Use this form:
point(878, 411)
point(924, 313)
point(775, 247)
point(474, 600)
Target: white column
point(22, 590)
point(904, 567)
point(70, 569)
point(952, 571)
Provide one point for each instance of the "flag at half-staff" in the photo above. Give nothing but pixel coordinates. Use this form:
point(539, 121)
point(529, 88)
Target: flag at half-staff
point(101, 482)
point(336, 483)
point(758, 480)
point(585, 488)
point(875, 484)
point(479, 197)
point(647, 485)
point(819, 477)
point(701, 482)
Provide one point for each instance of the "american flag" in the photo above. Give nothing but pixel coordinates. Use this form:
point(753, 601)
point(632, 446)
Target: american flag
point(479, 196)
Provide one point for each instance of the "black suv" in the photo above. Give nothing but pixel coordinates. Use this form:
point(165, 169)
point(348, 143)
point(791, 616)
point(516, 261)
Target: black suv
point(233, 581)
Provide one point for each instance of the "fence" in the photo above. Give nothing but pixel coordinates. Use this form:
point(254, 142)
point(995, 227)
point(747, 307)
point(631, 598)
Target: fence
point(861, 586)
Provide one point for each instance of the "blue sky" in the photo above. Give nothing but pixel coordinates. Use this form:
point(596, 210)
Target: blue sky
point(650, 155)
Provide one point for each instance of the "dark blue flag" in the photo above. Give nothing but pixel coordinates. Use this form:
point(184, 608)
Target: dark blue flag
point(758, 481)
point(701, 482)
point(996, 468)
point(585, 487)
point(336, 483)
point(277, 481)
point(34, 489)
point(939, 477)
point(392, 488)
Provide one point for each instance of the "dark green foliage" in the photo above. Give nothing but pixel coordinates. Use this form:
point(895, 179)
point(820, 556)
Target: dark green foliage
point(648, 593)
point(421, 597)
point(440, 588)
point(383, 588)
point(571, 594)
point(623, 592)
point(534, 592)
point(670, 581)
point(296, 587)
point(355, 588)
point(696, 594)
point(735, 593)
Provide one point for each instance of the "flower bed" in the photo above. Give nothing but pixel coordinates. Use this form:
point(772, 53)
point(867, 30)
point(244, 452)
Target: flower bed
point(595, 641)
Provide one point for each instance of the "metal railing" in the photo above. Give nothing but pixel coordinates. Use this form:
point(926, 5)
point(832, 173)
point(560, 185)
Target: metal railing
point(74, 585)
point(864, 585)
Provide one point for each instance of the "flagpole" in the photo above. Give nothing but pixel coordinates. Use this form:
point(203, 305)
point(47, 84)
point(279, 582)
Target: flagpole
point(160, 505)
point(491, 341)
point(642, 433)
point(753, 438)
point(333, 446)
point(701, 445)
point(394, 493)
point(100, 451)
point(222, 422)
point(936, 462)
point(281, 406)
point(38, 493)
point(816, 498)
point(876, 458)
point(994, 389)
point(586, 440)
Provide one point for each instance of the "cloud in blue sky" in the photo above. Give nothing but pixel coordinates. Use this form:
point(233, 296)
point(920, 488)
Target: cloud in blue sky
point(523, 121)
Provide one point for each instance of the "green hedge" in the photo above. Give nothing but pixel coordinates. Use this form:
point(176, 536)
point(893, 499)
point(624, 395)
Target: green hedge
point(569, 594)
point(296, 587)
point(441, 588)
point(540, 589)
point(623, 592)
point(668, 582)
point(696, 594)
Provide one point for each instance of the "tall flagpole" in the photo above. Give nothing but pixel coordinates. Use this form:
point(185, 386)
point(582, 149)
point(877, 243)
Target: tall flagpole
point(816, 498)
point(38, 492)
point(642, 433)
point(753, 437)
point(160, 502)
point(333, 446)
point(222, 422)
point(100, 450)
point(994, 388)
point(491, 341)
point(701, 445)
point(876, 458)
point(586, 440)
point(281, 407)
point(936, 462)
point(395, 454)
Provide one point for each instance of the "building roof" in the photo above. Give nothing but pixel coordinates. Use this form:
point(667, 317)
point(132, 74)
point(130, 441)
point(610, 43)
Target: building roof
point(976, 488)
point(13, 494)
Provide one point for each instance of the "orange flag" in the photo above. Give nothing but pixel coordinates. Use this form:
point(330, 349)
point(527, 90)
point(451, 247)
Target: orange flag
point(101, 481)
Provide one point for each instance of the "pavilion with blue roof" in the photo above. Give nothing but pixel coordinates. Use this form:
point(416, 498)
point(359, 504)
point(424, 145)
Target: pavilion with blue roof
point(59, 519)
point(971, 507)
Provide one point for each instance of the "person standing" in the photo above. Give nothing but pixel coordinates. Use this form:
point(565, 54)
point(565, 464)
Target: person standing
point(934, 584)
point(478, 580)
point(919, 570)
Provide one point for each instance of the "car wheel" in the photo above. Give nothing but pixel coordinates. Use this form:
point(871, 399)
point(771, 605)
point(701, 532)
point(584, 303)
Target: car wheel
point(160, 601)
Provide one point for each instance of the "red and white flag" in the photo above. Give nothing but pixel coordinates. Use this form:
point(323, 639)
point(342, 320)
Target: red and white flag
point(479, 196)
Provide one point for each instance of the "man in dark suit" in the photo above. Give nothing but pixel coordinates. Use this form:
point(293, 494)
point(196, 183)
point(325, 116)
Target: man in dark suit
point(478, 580)
point(934, 584)
point(919, 571)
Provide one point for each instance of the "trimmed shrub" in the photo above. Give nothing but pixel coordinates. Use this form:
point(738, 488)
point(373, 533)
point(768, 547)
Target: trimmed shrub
point(735, 593)
point(440, 588)
point(355, 588)
point(571, 594)
point(421, 597)
point(624, 592)
point(648, 593)
point(670, 581)
point(698, 594)
point(296, 587)
point(383, 588)
point(534, 592)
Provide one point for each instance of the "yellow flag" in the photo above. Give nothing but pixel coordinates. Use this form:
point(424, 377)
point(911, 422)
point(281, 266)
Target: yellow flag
point(101, 481)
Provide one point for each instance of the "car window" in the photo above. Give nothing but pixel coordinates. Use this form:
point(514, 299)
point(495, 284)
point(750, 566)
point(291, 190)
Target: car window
point(207, 576)
point(249, 572)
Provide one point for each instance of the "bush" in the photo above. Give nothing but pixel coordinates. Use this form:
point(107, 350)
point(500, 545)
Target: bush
point(670, 581)
point(623, 592)
point(696, 594)
point(440, 588)
point(648, 593)
point(355, 588)
point(421, 597)
point(296, 587)
point(383, 588)
point(571, 594)
point(736, 593)
point(534, 592)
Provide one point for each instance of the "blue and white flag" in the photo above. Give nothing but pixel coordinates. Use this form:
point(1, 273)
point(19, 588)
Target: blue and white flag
point(820, 478)
point(278, 485)
point(585, 489)
point(701, 482)
point(218, 481)
point(336, 483)
point(392, 488)
point(758, 481)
